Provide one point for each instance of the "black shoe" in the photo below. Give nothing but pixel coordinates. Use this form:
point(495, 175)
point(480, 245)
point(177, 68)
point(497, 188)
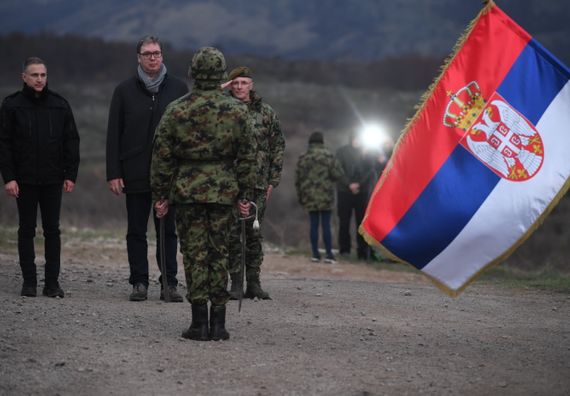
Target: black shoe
point(53, 291)
point(173, 293)
point(218, 323)
point(198, 330)
point(29, 291)
point(139, 292)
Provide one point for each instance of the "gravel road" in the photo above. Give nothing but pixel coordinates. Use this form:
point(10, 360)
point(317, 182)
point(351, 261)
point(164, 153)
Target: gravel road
point(343, 329)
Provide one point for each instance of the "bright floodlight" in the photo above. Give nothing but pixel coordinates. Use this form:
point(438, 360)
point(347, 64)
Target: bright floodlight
point(373, 136)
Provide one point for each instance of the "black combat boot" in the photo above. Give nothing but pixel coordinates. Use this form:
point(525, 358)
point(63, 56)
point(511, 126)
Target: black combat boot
point(237, 286)
point(218, 323)
point(198, 330)
point(254, 289)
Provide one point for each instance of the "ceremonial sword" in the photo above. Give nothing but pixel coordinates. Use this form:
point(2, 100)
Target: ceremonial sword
point(162, 252)
point(244, 249)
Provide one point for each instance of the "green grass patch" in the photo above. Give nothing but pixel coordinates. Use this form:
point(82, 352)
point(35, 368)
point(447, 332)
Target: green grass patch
point(9, 239)
point(542, 279)
point(392, 266)
point(91, 233)
point(9, 236)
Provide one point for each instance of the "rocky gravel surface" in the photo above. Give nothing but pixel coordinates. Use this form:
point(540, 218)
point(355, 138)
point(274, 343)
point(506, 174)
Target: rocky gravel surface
point(342, 329)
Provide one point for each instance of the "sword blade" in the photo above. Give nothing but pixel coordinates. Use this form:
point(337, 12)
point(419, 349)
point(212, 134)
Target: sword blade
point(242, 266)
point(165, 291)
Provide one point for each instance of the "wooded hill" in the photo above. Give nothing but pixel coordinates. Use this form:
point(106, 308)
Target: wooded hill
point(76, 59)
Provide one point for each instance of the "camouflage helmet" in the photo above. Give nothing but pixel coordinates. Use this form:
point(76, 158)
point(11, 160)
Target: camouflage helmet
point(208, 64)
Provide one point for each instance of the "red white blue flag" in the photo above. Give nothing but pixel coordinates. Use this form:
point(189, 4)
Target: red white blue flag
point(483, 161)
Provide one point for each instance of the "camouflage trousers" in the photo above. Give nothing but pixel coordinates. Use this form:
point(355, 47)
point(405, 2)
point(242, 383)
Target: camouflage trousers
point(203, 235)
point(254, 240)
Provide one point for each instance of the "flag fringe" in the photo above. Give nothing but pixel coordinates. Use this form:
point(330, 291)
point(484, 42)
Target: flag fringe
point(387, 253)
point(456, 48)
point(426, 95)
point(456, 292)
point(522, 239)
point(419, 108)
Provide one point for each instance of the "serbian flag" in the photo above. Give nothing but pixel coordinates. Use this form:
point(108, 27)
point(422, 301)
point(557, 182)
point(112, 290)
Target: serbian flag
point(483, 161)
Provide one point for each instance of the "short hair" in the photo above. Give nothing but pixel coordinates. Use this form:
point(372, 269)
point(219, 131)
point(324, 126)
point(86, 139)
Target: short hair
point(32, 60)
point(148, 40)
point(316, 137)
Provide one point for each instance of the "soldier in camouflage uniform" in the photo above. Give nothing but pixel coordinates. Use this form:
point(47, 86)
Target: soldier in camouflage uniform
point(315, 176)
point(271, 145)
point(203, 161)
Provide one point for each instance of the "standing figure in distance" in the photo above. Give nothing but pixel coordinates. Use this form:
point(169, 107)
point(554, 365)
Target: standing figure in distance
point(39, 156)
point(271, 145)
point(315, 176)
point(353, 193)
point(205, 162)
point(136, 108)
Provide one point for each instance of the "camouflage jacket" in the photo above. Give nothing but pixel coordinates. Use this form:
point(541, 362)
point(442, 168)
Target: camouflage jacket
point(270, 142)
point(315, 176)
point(204, 150)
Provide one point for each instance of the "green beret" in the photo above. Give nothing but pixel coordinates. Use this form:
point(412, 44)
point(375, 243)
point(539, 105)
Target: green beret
point(241, 71)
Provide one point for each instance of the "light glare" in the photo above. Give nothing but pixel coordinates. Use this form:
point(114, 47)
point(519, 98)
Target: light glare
point(373, 136)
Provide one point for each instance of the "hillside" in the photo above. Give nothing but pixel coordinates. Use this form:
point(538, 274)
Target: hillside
point(291, 29)
point(71, 58)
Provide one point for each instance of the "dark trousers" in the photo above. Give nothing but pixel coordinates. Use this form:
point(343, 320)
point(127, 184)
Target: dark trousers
point(324, 218)
point(48, 198)
point(347, 203)
point(139, 206)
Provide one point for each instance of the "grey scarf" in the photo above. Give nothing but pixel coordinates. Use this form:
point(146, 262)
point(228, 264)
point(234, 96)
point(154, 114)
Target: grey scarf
point(152, 85)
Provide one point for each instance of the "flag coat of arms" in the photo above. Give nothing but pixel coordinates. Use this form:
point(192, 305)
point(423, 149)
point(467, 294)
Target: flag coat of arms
point(483, 161)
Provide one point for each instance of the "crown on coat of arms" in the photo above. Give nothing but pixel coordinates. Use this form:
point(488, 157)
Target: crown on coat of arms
point(464, 107)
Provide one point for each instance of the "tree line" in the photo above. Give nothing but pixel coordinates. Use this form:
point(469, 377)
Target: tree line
point(76, 59)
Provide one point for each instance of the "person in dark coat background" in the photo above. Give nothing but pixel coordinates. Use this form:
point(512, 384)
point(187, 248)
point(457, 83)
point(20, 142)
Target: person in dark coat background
point(136, 108)
point(352, 195)
point(39, 156)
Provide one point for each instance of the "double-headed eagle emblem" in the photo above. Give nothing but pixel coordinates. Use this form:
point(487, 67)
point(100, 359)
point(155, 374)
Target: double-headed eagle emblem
point(495, 133)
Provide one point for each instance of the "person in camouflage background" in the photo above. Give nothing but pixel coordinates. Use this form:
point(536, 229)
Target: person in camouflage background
point(203, 161)
point(315, 176)
point(271, 145)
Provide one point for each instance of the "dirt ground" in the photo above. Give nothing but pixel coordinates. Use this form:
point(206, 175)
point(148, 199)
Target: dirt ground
point(342, 329)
